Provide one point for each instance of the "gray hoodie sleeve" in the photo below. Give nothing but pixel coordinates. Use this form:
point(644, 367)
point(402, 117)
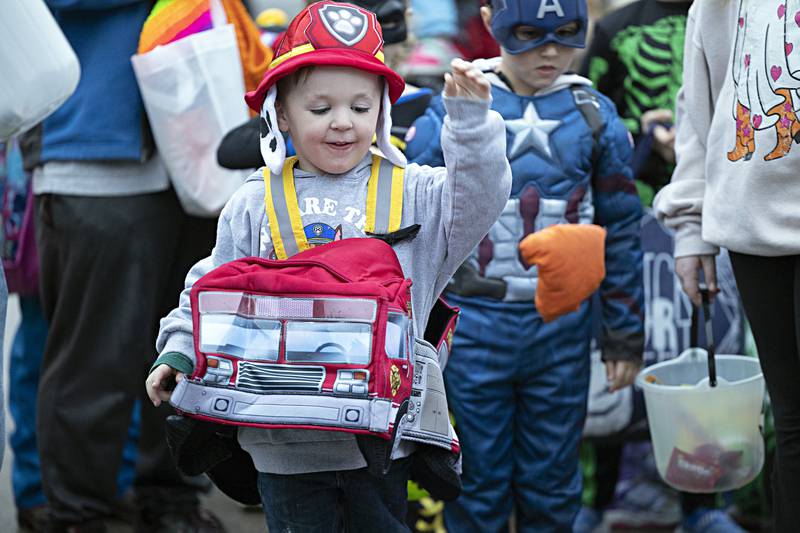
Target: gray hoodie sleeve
point(459, 203)
point(235, 239)
point(679, 205)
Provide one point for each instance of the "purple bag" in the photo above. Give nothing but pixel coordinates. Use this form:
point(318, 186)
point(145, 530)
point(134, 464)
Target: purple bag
point(20, 260)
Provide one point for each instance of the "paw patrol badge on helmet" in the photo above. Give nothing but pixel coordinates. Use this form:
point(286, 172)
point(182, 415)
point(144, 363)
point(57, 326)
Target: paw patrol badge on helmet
point(543, 16)
point(333, 34)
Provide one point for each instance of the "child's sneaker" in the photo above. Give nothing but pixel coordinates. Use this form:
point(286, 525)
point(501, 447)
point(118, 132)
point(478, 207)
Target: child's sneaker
point(642, 504)
point(588, 520)
point(705, 520)
point(32, 519)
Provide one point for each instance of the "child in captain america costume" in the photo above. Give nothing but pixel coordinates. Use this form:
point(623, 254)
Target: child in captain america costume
point(518, 383)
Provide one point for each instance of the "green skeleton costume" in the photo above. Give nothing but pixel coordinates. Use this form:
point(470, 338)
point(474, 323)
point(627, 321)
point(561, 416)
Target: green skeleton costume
point(636, 59)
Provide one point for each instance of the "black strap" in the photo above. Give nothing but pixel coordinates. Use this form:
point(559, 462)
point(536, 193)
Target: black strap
point(694, 333)
point(467, 281)
point(503, 78)
point(589, 105)
point(712, 365)
point(407, 233)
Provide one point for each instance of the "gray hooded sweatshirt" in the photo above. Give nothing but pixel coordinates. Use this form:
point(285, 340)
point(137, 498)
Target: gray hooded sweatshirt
point(739, 70)
point(455, 207)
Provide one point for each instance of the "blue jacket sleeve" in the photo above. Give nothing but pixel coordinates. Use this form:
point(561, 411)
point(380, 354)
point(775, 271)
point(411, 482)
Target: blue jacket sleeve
point(618, 209)
point(423, 142)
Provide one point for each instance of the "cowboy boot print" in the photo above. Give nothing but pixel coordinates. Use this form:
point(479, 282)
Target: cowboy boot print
point(745, 136)
point(787, 127)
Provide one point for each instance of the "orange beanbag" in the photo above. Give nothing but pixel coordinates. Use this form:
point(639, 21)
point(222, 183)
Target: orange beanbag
point(571, 263)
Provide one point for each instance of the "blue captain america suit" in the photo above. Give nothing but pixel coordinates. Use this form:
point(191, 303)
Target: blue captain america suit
point(517, 386)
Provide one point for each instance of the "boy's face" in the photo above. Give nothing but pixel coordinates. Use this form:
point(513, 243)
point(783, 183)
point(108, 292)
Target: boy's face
point(531, 71)
point(535, 69)
point(331, 116)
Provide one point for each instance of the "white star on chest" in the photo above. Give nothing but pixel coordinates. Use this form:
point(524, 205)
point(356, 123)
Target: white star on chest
point(530, 130)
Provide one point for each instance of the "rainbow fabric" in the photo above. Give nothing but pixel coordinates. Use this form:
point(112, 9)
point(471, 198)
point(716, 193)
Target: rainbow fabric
point(171, 20)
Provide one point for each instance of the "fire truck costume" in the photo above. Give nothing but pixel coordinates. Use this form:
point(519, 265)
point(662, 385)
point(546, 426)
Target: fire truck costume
point(426, 214)
point(518, 385)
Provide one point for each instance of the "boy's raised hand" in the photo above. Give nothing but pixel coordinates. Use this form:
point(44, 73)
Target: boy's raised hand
point(466, 81)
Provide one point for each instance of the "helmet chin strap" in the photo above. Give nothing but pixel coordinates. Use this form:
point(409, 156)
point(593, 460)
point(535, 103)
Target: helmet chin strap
point(273, 147)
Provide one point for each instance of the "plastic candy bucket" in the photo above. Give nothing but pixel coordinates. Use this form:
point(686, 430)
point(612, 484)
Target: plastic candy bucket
point(705, 438)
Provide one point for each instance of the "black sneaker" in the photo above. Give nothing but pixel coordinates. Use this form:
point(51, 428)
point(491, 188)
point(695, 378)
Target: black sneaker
point(197, 520)
point(91, 526)
point(32, 519)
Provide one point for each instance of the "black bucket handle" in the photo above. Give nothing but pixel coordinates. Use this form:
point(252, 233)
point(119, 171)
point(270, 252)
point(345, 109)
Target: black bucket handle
point(693, 333)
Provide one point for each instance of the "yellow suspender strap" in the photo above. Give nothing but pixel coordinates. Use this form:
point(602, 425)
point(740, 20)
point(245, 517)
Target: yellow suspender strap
point(283, 213)
point(384, 205)
point(384, 197)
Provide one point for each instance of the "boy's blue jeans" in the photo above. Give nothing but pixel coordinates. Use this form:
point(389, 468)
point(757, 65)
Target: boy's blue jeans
point(517, 388)
point(321, 502)
point(23, 373)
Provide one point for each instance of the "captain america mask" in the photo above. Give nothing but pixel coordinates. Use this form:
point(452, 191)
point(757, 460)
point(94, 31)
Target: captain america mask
point(522, 25)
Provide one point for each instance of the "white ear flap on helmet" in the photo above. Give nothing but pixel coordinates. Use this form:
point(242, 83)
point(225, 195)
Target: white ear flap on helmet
point(273, 149)
point(383, 131)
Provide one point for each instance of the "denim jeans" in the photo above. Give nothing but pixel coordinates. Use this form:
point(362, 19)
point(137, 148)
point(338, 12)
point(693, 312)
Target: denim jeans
point(23, 373)
point(352, 500)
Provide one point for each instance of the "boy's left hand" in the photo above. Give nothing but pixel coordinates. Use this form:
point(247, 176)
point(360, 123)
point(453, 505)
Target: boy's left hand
point(158, 381)
point(620, 374)
point(466, 81)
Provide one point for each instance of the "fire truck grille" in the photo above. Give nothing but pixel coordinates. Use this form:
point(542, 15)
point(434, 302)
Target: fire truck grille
point(268, 378)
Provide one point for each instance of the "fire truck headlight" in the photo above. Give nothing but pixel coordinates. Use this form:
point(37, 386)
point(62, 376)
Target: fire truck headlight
point(352, 382)
point(220, 365)
point(218, 370)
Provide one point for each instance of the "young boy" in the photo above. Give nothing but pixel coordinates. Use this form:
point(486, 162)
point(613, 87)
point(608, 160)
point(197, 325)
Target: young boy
point(329, 89)
point(569, 158)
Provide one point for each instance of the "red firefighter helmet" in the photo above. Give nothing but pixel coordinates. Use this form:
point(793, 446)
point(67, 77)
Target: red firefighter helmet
point(329, 33)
